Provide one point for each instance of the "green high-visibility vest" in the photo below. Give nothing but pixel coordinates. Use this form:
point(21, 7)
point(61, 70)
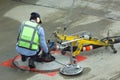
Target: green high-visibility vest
point(28, 37)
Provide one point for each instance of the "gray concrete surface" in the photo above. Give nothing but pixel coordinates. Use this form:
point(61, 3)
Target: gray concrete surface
point(42, 66)
point(95, 16)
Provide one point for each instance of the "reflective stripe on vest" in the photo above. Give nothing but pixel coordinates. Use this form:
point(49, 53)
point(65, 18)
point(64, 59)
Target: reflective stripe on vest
point(28, 37)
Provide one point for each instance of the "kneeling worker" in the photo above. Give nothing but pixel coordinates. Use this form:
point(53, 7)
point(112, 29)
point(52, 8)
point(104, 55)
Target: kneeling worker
point(31, 39)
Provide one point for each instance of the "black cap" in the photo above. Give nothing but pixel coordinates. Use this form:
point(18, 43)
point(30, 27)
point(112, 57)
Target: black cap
point(35, 15)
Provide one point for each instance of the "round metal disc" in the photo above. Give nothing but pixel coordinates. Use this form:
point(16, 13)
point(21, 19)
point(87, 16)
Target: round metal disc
point(71, 69)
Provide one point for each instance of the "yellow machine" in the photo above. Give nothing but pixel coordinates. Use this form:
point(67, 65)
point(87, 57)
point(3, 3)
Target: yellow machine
point(85, 40)
point(76, 43)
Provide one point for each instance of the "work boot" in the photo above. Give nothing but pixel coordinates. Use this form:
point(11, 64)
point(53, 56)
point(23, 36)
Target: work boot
point(48, 58)
point(23, 58)
point(31, 63)
point(38, 59)
point(45, 58)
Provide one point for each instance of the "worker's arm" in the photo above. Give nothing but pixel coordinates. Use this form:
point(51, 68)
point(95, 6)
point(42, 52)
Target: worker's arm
point(43, 44)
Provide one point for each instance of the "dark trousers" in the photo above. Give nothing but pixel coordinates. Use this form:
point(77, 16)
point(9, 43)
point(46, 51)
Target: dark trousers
point(24, 58)
point(33, 58)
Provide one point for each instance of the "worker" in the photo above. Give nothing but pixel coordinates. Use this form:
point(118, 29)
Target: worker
point(31, 39)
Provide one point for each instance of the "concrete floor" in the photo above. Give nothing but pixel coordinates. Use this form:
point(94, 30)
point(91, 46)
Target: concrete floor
point(94, 16)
